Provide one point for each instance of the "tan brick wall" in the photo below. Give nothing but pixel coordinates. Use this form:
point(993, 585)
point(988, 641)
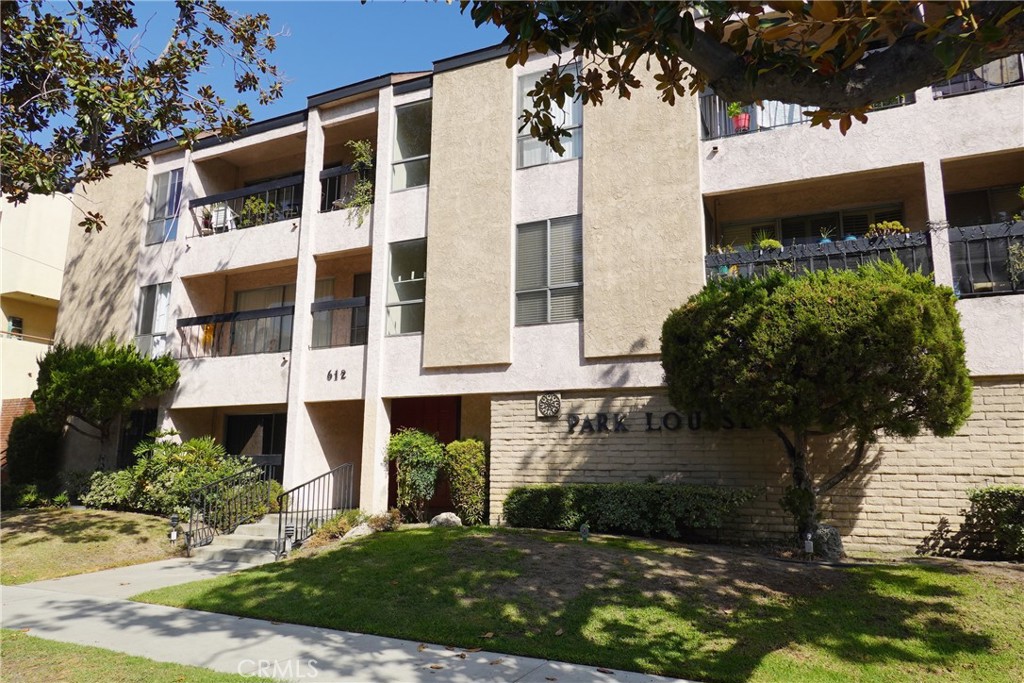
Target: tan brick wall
point(897, 499)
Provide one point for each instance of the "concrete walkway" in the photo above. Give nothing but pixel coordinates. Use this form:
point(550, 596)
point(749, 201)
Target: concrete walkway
point(92, 609)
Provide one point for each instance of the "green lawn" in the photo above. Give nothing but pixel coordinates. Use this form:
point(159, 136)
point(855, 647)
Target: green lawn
point(28, 659)
point(50, 543)
point(700, 612)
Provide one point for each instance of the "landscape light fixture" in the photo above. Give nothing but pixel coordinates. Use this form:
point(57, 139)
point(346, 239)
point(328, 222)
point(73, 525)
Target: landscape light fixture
point(174, 526)
point(584, 531)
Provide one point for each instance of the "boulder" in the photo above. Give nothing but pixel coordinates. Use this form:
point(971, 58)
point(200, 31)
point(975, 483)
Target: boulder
point(446, 519)
point(828, 544)
point(357, 531)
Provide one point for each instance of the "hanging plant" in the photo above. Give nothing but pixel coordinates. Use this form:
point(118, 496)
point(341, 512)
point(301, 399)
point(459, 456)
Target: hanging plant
point(361, 197)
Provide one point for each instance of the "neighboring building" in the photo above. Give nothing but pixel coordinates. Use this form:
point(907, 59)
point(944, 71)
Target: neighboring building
point(33, 239)
point(488, 274)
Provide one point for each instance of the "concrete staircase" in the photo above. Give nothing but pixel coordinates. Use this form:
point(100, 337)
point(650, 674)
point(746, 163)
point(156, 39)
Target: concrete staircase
point(254, 543)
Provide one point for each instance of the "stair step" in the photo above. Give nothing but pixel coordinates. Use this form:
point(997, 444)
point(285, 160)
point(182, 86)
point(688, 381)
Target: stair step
point(262, 529)
point(237, 540)
point(239, 555)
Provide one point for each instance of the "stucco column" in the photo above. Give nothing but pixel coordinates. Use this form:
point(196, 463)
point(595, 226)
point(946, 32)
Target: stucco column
point(935, 198)
point(373, 484)
point(299, 462)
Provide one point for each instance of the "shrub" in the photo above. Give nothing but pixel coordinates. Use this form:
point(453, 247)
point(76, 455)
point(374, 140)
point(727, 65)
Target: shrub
point(164, 476)
point(419, 458)
point(61, 500)
point(274, 506)
point(16, 496)
point(636, 509)
point(388, 521)
point(33, 451)
point(335, 527)
point(999, 511)
point(75, 483)
point(467, 469)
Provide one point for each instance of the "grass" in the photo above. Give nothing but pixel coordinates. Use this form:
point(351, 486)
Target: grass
point(26, 658)
point(50, 543)
point(702, 612)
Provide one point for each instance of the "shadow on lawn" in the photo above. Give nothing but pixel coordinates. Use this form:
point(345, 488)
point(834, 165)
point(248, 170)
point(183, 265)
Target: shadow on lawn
point(30, 527)
point(713, 614)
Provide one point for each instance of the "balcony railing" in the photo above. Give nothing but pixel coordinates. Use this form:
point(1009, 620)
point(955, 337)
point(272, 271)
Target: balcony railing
point(338, 186)
point(1001, 73)
point(342, 322)
point(716, 123)
point(247, 207)
point(987, 259)
point(912, 249)
point(236, 334)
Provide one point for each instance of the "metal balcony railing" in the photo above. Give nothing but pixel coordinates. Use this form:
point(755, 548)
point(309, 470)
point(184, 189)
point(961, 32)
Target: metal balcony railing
point(342, 322)
point(1001, 73)
point(236, 334)
point(912, 249)
point(987, 259)
point(716, 123)
point(247, 207)
point(338, 186)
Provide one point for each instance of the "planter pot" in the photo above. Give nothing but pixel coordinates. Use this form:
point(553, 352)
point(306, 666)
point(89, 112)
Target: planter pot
point(850, 238)
point(741, 122)
point(825, 240)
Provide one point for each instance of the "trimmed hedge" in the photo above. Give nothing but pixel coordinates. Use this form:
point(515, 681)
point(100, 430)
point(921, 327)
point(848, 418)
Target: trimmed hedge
point(466, 465)
point(999, 511)
point(635, 509)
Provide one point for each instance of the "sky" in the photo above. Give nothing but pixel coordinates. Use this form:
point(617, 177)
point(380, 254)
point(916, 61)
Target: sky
point(329, 44)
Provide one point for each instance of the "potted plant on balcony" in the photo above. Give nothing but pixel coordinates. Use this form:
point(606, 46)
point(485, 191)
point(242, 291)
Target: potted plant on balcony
point(740, 117)
point(206, 225)
point(1015, 265)
point(765, 241)
point(886, 229)
point(826, 235)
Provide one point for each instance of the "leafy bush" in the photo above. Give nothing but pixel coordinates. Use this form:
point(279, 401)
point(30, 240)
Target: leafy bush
point(999, 511)
point(335, 527)
point(274, 506)
point(636, 509)
point(16, 496)
point(33, 451)
point(419, 458)
point(387, 521)
point(164, 476)
point(466, 466)
point(74, 482)
point(61, 500)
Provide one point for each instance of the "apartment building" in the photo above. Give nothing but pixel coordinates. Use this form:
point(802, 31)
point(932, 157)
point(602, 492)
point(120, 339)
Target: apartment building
point(33, 246)
point(495, 290)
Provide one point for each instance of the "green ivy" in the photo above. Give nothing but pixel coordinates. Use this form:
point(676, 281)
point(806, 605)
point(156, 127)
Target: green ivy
point(363, 158)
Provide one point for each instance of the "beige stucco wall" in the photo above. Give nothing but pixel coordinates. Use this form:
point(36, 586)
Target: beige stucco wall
point(20, 370)
point(99, 290)
point(642, 219)
point(34, 238)
point(475, 416)
point(469, 238)
point(900, 496)
point(338, 439)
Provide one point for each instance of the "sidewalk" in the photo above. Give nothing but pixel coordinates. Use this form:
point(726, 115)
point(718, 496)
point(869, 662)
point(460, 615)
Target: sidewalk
point(92, 609)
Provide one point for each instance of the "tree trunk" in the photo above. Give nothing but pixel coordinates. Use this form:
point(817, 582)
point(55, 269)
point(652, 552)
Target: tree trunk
point(801, 499)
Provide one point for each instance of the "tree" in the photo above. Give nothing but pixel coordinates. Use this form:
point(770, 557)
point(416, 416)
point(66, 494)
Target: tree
point(847, 354)
point(77, 99)
point(837, 56)
point(96, 384)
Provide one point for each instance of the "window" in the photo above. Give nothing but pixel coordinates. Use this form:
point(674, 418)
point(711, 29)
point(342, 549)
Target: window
point(549, 271)
point(807, 229)
point(411, 167)
point(265, 334)
point(407, 287)
point(532, 152)
point(163, 207)
point(154, 304)
point(15, 326)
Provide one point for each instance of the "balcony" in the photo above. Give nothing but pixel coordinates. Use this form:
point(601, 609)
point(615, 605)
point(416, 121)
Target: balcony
point(338, 187)
point(341, 322)
point(248, 207)
point(716, 123)
point(987, 259)
point(1001, 73)
point(912, 249)
point(236, 334)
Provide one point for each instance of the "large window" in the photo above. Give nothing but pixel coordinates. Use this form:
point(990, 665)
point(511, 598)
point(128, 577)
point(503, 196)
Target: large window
point(163, 207)
point(809, 228)
point(407, 287)
point(532, 152)
point(549, 271)
point(263, 334)
point(411, 167)
point(154, 304)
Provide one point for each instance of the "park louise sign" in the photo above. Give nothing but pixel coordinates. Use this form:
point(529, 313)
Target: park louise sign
point(616, 423)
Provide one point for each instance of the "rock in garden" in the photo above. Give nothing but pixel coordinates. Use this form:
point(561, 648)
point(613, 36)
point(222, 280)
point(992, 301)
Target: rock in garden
point(446, 519)
point(828, 544)
point(357, 531)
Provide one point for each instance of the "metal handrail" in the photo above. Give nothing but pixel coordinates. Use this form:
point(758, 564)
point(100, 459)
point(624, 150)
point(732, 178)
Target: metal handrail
point(222, 506)
point(304, 508)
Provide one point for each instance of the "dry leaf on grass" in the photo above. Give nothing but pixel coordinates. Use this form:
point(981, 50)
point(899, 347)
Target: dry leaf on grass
point(559, 632)
point(436, 666)
point(499, 660)
point(421, 647)
point(489, 634)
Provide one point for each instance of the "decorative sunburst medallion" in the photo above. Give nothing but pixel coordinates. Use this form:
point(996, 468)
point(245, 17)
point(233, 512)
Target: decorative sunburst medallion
point(548, 405)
